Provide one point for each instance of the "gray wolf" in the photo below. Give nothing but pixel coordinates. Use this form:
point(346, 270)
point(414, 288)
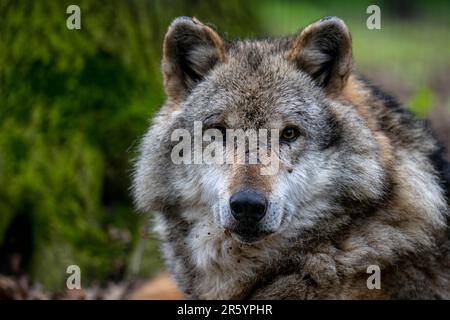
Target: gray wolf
point(360, 182)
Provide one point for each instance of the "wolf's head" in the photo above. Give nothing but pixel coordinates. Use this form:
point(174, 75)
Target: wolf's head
point(329, 162)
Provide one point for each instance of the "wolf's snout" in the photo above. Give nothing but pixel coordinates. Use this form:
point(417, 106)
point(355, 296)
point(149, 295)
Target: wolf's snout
point(248, 206)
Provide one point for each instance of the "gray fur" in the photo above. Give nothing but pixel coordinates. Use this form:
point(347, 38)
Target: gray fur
point(357, 188)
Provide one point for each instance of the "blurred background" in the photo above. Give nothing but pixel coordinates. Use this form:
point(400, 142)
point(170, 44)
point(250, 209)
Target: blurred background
point(73, 104)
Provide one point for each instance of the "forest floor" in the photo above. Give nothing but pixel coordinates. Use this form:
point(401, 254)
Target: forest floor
point(158, 287)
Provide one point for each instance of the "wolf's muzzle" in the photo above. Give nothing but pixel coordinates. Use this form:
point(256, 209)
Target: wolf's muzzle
point(248, 206)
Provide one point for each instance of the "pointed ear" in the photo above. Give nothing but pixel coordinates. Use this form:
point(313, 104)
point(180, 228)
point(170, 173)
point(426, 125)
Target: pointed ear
point(324, 50)
point(191, 50)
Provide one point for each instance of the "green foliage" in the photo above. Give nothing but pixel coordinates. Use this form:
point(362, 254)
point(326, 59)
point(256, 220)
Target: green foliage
point(422, 102)
point(58, 186)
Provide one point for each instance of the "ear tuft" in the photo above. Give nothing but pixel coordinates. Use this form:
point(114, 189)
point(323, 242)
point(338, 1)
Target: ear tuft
point(324, 50)
point(191, 50)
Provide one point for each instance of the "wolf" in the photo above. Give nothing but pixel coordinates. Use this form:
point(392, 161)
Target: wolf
point(361, 182)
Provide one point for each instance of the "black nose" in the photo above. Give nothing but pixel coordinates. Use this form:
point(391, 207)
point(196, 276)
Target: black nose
point(248, 205)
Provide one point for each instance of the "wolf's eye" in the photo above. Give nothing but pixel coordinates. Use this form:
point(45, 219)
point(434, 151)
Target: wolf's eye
point(289, 134)
point(221, 128)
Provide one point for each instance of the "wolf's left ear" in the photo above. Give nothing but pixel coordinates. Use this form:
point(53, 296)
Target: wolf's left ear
point(324, 50)
point(191, 50)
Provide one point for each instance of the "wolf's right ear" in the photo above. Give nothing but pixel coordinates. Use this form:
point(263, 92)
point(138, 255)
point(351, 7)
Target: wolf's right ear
point(324, 51)
point(191, 50)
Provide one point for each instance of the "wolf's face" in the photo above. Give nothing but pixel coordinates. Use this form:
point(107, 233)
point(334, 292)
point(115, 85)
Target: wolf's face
point(327, 159)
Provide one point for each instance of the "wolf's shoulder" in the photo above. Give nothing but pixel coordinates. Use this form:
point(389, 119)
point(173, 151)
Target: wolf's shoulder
point(404, 127)
point(442, 167)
